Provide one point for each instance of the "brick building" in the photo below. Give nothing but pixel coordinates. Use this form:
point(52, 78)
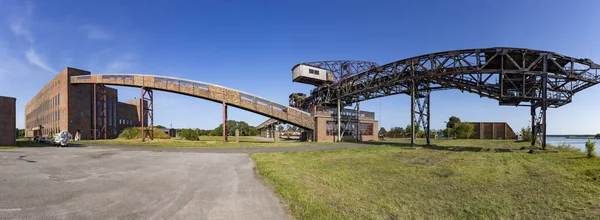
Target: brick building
point(326, 125)
point(63, 106)
point(492, 130)
point(7, 121)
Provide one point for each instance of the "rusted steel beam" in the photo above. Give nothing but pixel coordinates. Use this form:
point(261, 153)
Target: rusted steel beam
point(224, 122)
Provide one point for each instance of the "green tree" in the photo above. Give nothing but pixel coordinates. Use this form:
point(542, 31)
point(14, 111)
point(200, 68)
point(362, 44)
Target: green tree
point(252, 131)
point(280, 128)
point(463, 130)
point(452, 121)
point(526, 134)
point(382, 131)
point(408, 130)
point(590, 148)
point(160, 126)
point(244, 128)
point(396, 131)
point(598, 136)
point(19, 133)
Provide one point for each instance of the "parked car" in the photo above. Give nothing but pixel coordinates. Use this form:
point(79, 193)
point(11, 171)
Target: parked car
point(62, 139)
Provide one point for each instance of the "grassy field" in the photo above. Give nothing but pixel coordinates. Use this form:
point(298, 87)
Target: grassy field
point(8, 147)
point(24, 143)
point(205, 141)
point(457, 179)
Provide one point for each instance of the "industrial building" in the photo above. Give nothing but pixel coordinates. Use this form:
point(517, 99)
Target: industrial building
point(7, 121)
point(361, 127)
point(61, 105)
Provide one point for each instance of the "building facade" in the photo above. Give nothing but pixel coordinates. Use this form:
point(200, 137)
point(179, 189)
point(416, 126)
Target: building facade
point(7, 121)
point(364, 126)
point(61, 105)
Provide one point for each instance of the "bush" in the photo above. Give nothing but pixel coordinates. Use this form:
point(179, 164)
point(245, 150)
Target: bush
point(189, 134)
point(590, 148)
point(526, 134)
point(136, 133)
point(464, 130)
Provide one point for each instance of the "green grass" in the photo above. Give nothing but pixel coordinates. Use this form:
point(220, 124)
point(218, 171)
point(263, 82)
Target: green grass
point(205, 141)
point(452, 180)
point(8, 147)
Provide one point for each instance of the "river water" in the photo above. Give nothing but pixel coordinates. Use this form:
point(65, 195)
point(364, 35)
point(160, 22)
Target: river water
point(577, 143)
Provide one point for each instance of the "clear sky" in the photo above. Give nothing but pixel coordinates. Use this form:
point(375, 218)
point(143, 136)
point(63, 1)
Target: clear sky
point(252, 45)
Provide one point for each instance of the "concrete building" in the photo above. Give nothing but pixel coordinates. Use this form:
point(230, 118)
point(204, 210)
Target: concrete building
point(61, 105)
point(7, 121)
point(492, 130)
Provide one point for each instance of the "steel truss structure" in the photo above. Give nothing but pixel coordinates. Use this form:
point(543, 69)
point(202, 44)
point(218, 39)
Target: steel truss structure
point(343, 69)
point(513, 76)
point(147, 113)
point(99, 101)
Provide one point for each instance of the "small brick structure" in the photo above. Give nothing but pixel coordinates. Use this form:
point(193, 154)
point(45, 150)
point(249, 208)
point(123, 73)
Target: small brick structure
point(8, 122)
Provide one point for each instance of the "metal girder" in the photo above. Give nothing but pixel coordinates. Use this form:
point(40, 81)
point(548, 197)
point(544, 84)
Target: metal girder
point(99, 101)
point(343, 69)
point(490, 72)
point(513, 76)
point(147, 112)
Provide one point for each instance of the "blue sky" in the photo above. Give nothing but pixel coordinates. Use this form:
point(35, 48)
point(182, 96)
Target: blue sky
point(252, 45)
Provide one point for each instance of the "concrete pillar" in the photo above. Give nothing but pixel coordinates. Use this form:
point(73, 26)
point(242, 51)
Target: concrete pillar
point(481, 130)
point(276, 137)
point(237, 135)
point(224, 122)
point(493, 131)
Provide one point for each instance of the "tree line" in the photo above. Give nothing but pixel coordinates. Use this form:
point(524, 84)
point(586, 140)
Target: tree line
point(454, 129)
point(232, 125)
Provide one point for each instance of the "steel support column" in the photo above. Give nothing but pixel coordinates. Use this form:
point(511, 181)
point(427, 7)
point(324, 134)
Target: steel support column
point(95, 100)
point(99, 98)
point(339, 120)
point(358, 137)
point(544, 99)
point(147, 112)
point(428, 127)
point(421, 115)
point(412, 112)
point(224, 122)
point(538, 119)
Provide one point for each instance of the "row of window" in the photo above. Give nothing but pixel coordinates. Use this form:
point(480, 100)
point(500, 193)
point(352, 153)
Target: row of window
point(48, 132)
point(311, 71)
point(48, 110)
point(349, 128)
point(125, 122)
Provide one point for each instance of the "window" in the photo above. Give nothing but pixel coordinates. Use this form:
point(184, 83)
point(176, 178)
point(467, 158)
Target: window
point(311, 71)
point(331, 128)
point(366, 128)
point(58, 99)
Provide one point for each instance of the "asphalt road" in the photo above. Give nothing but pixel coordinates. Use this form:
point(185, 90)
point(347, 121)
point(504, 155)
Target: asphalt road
point(121, 183)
